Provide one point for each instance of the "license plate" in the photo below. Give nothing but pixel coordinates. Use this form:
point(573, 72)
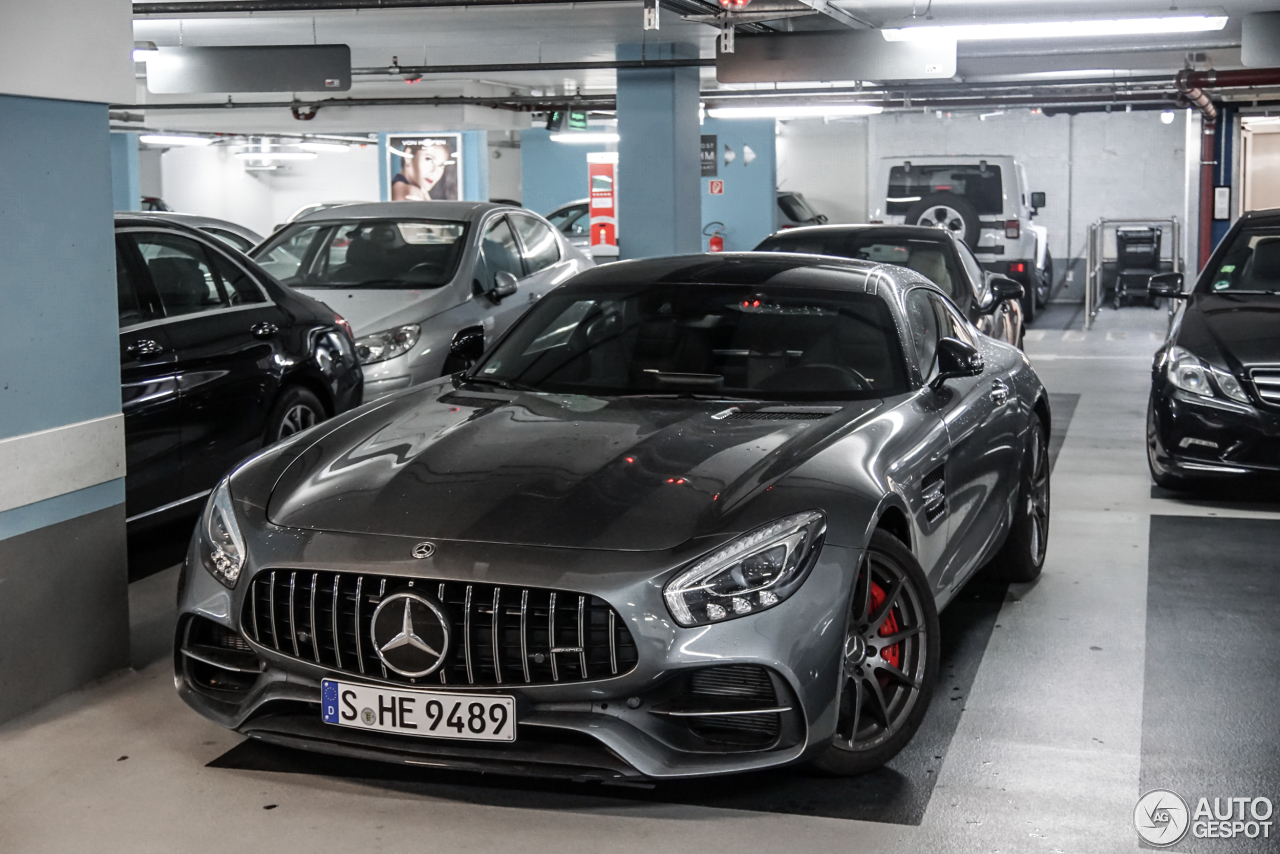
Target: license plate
point(434, 714)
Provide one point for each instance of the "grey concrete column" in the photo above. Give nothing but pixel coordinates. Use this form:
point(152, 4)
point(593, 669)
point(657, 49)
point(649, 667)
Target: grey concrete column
point(659, 171)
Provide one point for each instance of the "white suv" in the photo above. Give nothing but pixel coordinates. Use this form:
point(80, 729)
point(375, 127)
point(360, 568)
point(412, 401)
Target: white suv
point(982, 199)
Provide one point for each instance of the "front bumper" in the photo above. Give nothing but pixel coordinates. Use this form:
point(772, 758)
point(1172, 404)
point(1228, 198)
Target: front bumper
point(603, 728)
point(1201, 437)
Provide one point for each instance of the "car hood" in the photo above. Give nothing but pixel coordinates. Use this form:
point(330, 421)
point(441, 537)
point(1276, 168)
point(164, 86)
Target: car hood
point(371, 311)
point(1241, 327)
point(548, 470)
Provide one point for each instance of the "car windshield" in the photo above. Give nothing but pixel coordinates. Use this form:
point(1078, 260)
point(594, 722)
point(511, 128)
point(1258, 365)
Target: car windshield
point(375, 254)
point(926, 257)
point(722, 341)
point(1250, 264)
point(979, 183)
point(796, 208)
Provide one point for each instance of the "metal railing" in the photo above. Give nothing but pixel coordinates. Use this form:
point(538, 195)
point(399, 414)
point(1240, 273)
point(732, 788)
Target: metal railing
point(1094, 258)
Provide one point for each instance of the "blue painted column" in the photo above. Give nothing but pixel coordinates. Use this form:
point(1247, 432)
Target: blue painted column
point(750, 189)
point(125, 192)
point(552, 173)
point(659, 208)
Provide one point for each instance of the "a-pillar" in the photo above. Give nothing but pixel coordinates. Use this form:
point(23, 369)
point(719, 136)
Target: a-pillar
point(64, 602)
point(659, 172)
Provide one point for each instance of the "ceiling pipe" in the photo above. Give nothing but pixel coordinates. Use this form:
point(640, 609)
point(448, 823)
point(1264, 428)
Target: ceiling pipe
point(504, 67)
point(236, 7)
point(1194, 95)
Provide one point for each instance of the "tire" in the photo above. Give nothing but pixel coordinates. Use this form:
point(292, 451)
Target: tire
point(1029, 301)
point(1161, 476)
point(296, 409)
point(1044, 281)
point(1021, 557)
point(949, 211)
point(884, 697)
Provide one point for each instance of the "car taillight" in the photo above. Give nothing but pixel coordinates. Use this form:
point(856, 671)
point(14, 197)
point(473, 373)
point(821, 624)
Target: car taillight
point(1012, 228)
point(345, 327)
point(1017, 267)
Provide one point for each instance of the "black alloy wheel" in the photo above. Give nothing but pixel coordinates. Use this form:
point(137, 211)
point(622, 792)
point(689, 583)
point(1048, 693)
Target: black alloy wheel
point(297, 409)
point(1021, 557)
point(889, 662)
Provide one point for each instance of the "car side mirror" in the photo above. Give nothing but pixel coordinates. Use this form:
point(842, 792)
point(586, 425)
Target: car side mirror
point(1166, 285)
point(956, 359)
point(467, 347)
point(1037, 200)
point(504, 285)
point(1005, 290)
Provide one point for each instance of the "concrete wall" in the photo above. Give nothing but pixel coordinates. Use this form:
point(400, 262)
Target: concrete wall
point(1261, 171)
point(63, 581)
point(505, 170)
point(747, 206)
point(827, 163)
point(211, 181)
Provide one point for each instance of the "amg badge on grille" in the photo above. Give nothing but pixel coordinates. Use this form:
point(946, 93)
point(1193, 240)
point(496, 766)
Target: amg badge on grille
point(410, 634)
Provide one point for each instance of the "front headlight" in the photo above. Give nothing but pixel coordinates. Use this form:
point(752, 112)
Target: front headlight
point(222, 543)
point(1188, 372)
point(751, 574)
point(387, 344)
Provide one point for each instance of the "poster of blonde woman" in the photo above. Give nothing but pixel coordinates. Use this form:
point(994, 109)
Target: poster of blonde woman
point(425, 166)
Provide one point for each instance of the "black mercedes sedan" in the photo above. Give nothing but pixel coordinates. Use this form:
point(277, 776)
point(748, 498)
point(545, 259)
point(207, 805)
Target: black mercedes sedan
point(688, 516)
point(990, 302)
point(1214, 410)
point(217, 359)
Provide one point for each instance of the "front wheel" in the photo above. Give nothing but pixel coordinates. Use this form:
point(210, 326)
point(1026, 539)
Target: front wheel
point(1021, 557)
point(889, 663)
point(1044, 281)
point(297, 409)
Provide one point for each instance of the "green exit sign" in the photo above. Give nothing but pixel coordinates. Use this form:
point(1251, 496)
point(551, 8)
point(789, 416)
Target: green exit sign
point(577, 121)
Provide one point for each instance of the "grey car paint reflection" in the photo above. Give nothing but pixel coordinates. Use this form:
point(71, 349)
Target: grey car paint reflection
point(441, 312)
point(511, 487)
point(236, 236)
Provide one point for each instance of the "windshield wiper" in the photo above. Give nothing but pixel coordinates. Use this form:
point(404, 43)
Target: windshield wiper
point(506, 384)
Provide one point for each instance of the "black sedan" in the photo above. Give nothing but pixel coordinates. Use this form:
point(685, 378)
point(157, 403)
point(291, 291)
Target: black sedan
point(1215, 385)
point(689, 516)
point(217, 359)
point(990, 302)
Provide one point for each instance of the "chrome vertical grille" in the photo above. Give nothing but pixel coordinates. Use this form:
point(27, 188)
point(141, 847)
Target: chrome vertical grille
point(498, 635)
point(1267, 383)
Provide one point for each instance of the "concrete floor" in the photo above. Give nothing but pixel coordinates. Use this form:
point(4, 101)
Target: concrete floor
point(1046, 757)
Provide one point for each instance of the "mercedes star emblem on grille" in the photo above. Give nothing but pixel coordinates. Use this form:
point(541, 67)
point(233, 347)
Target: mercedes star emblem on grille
point(424, 550)
point(410, 634)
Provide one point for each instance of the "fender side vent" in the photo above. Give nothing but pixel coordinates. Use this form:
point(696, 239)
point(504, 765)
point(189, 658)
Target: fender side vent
point(933, 487)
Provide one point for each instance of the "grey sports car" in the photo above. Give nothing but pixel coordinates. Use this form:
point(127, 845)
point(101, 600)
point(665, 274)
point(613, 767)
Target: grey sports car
point(689, 516)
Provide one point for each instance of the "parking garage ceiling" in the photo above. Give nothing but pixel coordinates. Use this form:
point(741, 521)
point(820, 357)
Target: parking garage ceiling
point(405, 52)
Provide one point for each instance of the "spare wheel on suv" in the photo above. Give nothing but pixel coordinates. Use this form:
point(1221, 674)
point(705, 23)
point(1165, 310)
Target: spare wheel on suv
point(947, 210)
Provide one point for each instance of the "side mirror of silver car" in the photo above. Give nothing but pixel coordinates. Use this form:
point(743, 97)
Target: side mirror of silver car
point(956, 359)
point(504, 285)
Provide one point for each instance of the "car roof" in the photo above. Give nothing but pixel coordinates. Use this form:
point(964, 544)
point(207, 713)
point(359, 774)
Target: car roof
point(751, 268)
point(197, 221)
point(919, 232)
point(1266, 216)
point(455, 211)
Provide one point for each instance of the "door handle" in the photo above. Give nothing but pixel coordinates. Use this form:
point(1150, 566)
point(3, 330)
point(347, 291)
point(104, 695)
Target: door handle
point(999, 392)
point(144, 347)
point(264, 330)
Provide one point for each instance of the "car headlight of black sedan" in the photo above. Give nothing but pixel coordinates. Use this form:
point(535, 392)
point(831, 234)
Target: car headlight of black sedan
point(1187, 371)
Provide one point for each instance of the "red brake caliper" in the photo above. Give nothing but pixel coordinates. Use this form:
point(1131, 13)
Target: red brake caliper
point(891, 654)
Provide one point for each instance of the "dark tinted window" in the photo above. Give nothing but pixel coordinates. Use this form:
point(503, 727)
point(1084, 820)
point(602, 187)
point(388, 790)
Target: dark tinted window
point(500, 251)
point(981, 187)
point(796, 208)
point(929, 258)
point(240, 289)
point(127, 293)
point(734, 341)
point(571, 219)
point(1251, 263)
point(376, 254)
point(541, 249)
point(181, 272)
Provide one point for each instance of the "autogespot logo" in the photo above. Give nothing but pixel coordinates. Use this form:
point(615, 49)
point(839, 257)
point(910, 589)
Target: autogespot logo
point(1161, 817)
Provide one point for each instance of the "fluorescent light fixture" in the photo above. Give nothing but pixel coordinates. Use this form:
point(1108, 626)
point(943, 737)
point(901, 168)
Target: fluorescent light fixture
point(262, 168)
point(1167, 117)
point(277, 155)
point(1059, 29)
point(325, 147)
point(583, 137)
point(1254, 121)
point(173, 139)
point(811, 111)
point(142, 51)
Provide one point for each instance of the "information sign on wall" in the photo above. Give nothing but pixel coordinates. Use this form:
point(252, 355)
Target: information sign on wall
point(602, 172)
point(710, 158)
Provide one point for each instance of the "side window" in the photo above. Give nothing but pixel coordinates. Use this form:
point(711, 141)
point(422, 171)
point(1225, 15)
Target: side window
point(541, 248)
point(578, 225)
point(500, 252)
point(284, 260)
point(239, 287)
point(127, 293)
point(181, 272)
point(971, 266)
point(922, 320)
point(950, 324)
point(569, 219)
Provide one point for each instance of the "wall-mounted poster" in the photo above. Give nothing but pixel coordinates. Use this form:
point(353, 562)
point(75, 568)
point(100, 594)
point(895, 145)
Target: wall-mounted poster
point(425, 166)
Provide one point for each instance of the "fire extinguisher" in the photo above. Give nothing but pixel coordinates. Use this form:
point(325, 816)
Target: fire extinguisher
point(714, 231)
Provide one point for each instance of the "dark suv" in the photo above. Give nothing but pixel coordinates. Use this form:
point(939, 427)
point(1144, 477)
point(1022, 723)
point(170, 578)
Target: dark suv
point(217, 359)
